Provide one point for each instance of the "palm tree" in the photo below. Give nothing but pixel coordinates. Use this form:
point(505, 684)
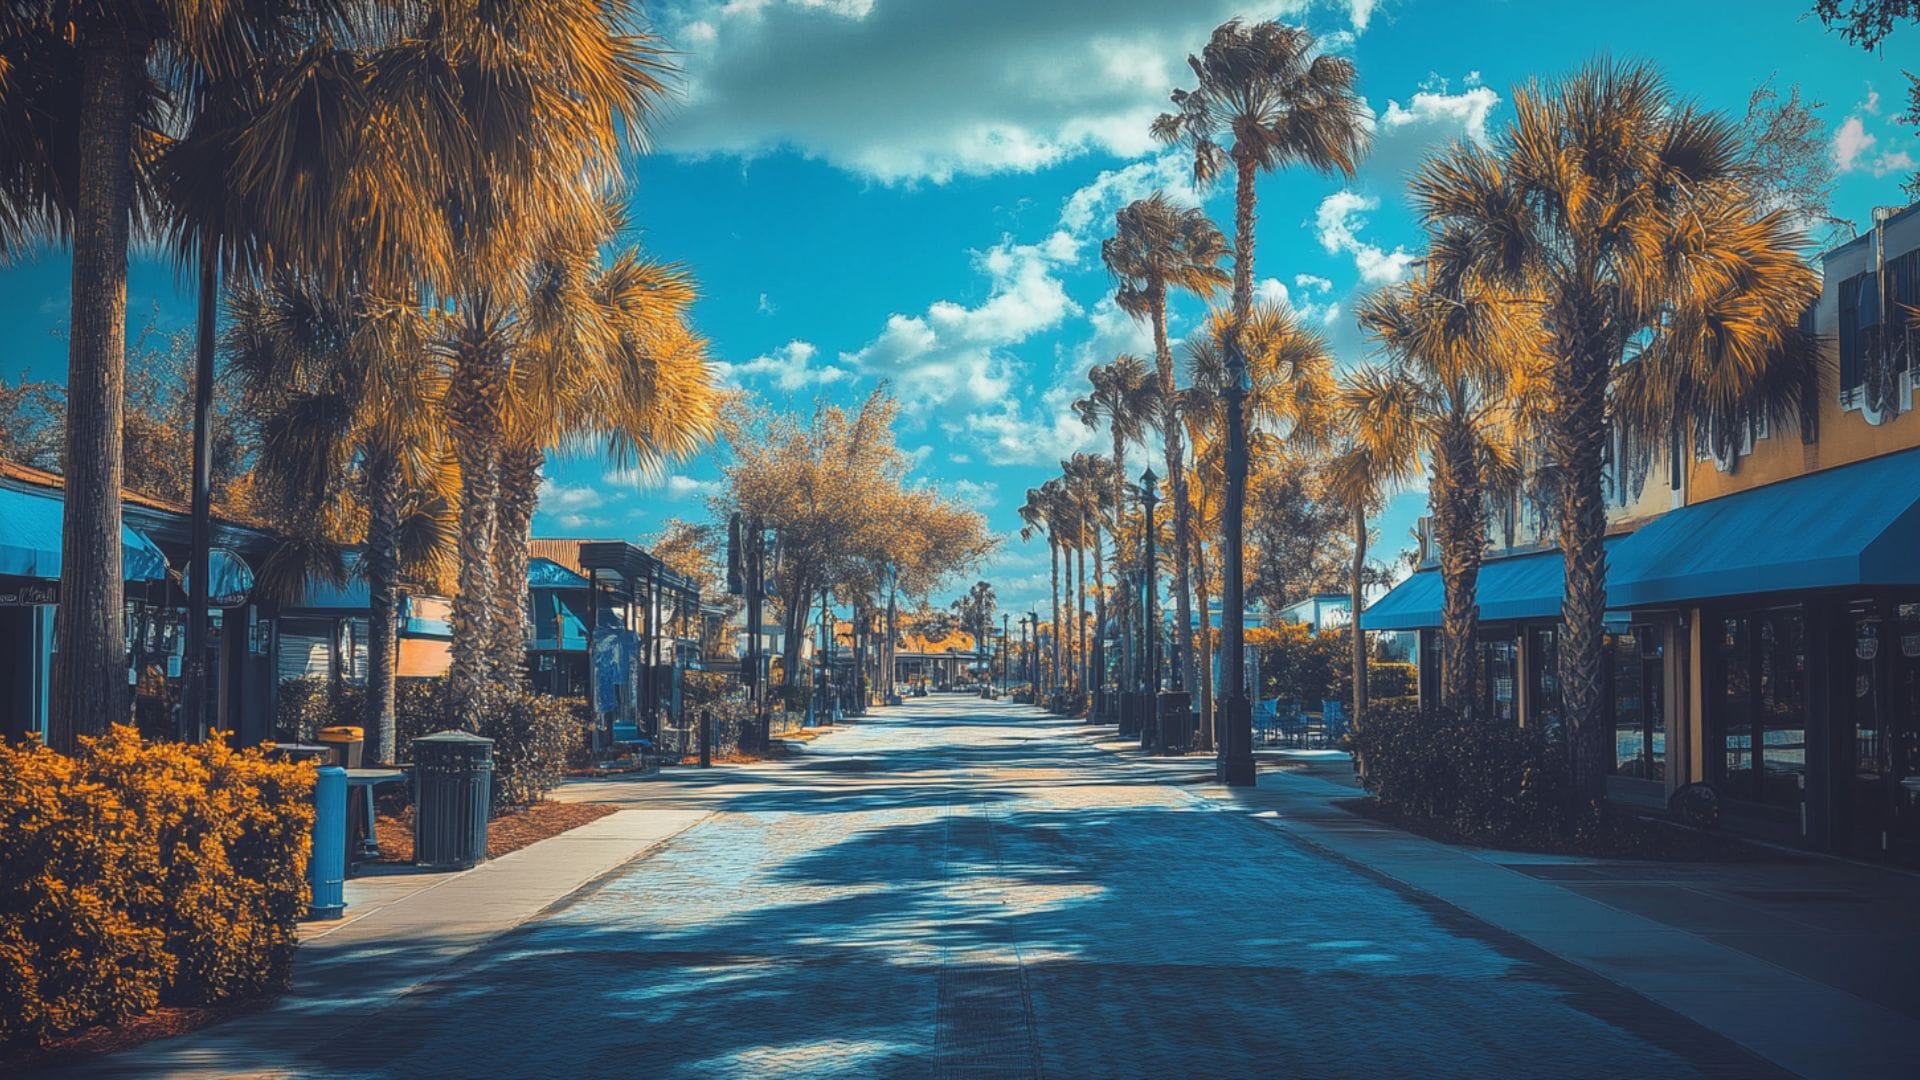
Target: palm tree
point(1465, 372)
point(1372, 408)
point(1089, 480)
point(1289, 370)
point(1037, 515)
point(604, 356)
point(1621, 212)
point(350, 429)
point(1155, 248)
point(93, 91)
point(1126, 393)
point(1280, 103)
point(521, 123)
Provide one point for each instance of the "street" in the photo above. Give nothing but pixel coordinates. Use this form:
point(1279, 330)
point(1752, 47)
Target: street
point(961, 888)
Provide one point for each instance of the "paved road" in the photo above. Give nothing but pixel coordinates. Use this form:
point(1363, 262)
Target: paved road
point(959, 889)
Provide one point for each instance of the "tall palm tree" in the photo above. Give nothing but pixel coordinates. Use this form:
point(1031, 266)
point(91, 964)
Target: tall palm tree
point(1126, 394)
point(1371, 410)
point(1157, 247)
point(1037, 516)
point(1265, 99)
point(1465, 372)
point(93, 92)
point(1622, 213)
point(604, 356)
point(521, 121)
point(350, 429)
point(1289, 379)
point(1089, 483)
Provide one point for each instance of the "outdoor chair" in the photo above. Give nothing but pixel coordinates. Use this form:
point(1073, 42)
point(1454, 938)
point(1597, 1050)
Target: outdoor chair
point(1287, 718)
point(1266, 722)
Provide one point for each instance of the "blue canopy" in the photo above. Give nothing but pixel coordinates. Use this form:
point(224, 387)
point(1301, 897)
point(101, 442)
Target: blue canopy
point(1519, 587)
point(1855, 525)
point(30, 525)
point(557, 622)
point(547, 574)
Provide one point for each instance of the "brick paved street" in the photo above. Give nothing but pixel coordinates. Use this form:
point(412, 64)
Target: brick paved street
point(964, 889)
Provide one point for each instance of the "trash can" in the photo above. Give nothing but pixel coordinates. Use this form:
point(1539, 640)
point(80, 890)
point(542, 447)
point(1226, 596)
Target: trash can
point(452, 796)
point(1176, 721)
point(347, 743)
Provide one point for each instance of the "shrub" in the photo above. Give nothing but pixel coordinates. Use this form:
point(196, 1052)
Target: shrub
point(535, 736)
point(306, 703)
point(135, 874)
point(1488, 780)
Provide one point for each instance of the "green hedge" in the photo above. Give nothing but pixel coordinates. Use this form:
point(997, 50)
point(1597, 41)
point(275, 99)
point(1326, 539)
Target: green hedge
point(134, 875)
point(1489, 780)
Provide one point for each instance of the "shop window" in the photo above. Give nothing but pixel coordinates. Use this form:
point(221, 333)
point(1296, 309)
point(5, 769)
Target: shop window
point(1639, 704)
point(1500, 661)
point(1543, 676)
point(1761, 703)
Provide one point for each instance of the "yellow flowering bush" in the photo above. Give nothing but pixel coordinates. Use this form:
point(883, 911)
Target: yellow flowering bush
point(137, 874)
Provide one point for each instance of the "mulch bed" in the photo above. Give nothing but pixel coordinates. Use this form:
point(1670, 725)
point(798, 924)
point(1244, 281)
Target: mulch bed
point(162, 1023)
point(510, 831)
point(1622, 835)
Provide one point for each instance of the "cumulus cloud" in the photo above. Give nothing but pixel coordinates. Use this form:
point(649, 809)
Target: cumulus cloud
point(556, 497)
point(1338, 223)
point(1089, 211)
point(789, 367)
point(954, 351)
point(1012, 434)
point(1275, 292)
point(681, 487)
point(1897, 161)
point(909, 91)
point(1432, 117)
point(1850, 142)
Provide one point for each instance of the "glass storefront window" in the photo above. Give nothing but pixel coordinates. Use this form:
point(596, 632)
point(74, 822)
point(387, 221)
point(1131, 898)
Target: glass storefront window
point(1500, 661)
point(1761, 702)
point(1543, 676)
point(1639, 704)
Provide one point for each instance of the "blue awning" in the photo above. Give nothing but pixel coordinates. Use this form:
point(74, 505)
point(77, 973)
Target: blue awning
point(1855, 525)
point(1519, 587)
point(547, 574)
point(30, 526)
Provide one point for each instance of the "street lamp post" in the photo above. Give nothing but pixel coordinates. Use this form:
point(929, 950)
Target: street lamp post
point(1006, 641)
point(1033, 655)
point(1149, 698)
point(1234, 713)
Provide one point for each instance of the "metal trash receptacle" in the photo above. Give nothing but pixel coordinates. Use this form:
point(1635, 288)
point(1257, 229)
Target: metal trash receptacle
point(347, 742)
point(1175, 714)
point(452, 797)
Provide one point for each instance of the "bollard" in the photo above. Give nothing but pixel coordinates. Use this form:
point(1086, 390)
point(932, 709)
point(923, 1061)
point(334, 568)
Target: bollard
point(706, 739)
point(327, 868)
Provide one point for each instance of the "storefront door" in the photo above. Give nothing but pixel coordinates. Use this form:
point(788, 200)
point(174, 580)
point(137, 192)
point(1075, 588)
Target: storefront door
point(1884, 725)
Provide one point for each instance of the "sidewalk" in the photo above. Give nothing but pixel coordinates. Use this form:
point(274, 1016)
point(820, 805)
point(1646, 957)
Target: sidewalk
point(402, 930)
point(1809, 962)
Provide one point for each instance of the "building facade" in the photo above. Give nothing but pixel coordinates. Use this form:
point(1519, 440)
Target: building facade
point(1763, 629)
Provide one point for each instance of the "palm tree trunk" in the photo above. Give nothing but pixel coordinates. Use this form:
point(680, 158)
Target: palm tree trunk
point(1579, 441)
point(519, 496)
point(1207, 723)
point(1097, 655)
point(380, 565)
point(1237, 740)
point(1122, 613)
point(89, 669)
point(1182, 662)
point(474, 409)
point(1080, 610)
point(1053, 668)
point(1460, 521)
point(1358, 604)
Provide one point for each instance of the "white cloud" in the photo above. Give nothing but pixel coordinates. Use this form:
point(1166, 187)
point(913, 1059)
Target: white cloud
point(1433, 117)
point(766, 306)
point(1012, 435)
point(579, 521)
point(556, 497)
point(1274, 291)
point(1897, 161)
point(902, 92)
point(1338, 223)
point(955, 351)
point(1849, 143)
point(1309, 283)
point(1872, 104)
point(687, 487)
point(974, 493)
point(789, 367)
point(1089, 211)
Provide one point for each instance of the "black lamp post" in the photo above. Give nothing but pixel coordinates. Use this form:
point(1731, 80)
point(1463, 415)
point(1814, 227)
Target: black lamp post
point(1150, 684)
point(1033, 655)
point(1006, 643)
point(1234, 713)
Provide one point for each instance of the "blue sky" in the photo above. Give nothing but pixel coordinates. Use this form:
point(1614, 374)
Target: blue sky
point(916, 190)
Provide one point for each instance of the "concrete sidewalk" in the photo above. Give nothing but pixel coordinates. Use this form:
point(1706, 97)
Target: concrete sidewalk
point(401, 931)
point(1808, 962)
